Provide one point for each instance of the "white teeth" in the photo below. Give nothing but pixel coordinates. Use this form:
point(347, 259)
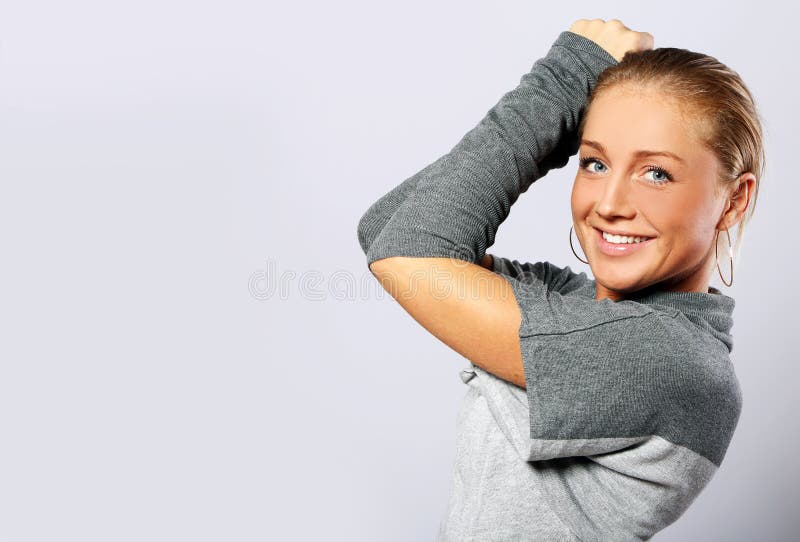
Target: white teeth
point(622, 239)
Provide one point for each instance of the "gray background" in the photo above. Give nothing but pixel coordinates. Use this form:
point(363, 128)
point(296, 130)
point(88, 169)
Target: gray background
point(193, 347)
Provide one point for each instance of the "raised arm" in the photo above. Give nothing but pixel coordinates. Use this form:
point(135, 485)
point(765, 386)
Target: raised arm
point(426, 239)
point(530, 131)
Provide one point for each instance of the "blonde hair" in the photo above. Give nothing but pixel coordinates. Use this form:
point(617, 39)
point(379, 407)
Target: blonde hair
point(723, 110)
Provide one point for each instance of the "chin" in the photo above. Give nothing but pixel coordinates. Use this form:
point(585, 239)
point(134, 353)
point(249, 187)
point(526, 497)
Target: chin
point(623, 283)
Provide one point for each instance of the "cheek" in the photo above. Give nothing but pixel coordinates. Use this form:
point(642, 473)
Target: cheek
point(683, 218)
point(582, 199)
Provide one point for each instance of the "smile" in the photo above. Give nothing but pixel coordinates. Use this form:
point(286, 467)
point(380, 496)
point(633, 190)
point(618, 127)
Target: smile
point(614, 245)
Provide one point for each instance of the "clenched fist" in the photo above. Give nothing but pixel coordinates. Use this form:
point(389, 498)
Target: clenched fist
point(613, 36)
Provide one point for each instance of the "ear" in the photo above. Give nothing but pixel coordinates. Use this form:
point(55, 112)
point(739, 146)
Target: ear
point(738, 201)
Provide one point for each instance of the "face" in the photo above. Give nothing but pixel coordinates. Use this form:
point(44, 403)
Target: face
point(671, 200)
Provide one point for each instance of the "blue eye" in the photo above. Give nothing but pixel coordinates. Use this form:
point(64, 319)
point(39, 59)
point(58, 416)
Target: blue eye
point(665, 175)
point(586, 161)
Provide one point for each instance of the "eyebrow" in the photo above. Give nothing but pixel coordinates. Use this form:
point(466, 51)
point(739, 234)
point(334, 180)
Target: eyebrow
point(639, 153)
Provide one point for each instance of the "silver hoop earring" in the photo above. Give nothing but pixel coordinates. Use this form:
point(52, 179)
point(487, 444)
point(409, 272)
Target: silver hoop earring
point(573, 248)
point(730, 255)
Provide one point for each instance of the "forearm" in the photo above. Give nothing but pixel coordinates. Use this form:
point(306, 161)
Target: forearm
point(454, 206)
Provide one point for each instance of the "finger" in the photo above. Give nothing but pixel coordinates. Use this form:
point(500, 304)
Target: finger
point(644, 41)
point(618, 23)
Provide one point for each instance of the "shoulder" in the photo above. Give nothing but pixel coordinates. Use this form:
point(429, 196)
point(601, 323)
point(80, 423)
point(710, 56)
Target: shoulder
point(688, 378)
point(554, 277)
point(641, 372)
point(556, 299)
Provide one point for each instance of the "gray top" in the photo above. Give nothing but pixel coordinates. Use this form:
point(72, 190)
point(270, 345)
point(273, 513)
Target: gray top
point(628, 411)
point(629, 406)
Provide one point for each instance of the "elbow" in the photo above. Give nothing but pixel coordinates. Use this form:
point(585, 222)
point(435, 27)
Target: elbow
point(364, 232)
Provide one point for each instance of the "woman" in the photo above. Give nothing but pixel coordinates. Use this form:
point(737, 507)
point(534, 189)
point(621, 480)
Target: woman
point(597, 409)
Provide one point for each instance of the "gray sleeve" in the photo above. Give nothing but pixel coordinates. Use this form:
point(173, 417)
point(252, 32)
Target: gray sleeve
point(453, 207)
point(604, 375)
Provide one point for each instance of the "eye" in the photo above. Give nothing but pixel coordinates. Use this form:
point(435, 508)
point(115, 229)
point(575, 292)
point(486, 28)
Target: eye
point(588, 160)
point(665, 175)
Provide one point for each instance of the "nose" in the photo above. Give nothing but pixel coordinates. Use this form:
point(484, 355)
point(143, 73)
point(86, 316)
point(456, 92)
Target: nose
point(615, 201)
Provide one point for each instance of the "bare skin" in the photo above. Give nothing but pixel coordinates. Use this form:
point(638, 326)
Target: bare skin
point(481, 321)
point(617, 191)
point(613, 36)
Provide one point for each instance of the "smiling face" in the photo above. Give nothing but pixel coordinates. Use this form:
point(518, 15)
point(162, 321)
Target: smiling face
point(674, 201)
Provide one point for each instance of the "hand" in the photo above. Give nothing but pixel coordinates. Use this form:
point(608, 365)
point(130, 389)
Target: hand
point(613, 36)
